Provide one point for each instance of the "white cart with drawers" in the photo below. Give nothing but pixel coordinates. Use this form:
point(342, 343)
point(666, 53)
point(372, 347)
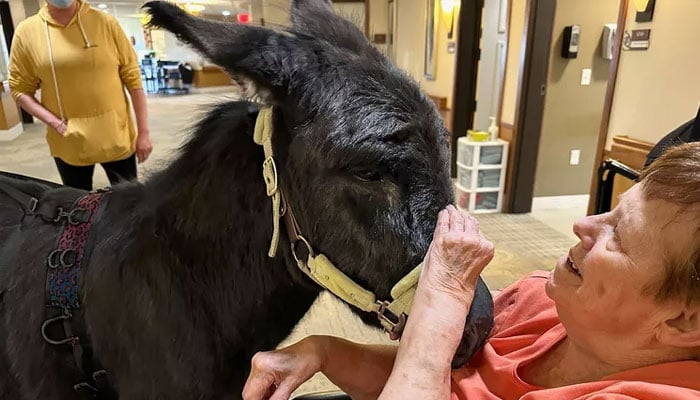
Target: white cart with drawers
point(481, 174)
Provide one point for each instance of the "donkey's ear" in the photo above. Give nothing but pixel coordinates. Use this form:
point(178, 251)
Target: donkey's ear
point(253, 53)
point(318, 19)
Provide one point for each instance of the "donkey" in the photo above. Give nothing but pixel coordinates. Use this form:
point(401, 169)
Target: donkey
point(177, 291)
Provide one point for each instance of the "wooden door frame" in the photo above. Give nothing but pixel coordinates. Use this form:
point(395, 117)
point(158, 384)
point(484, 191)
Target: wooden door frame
point(524, 150)
point(466, 73)
point(607, 105)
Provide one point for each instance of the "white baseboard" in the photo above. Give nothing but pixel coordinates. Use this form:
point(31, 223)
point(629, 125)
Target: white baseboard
point(11, 134)
point(558, 202)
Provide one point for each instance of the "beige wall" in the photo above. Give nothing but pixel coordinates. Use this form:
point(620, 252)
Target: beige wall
point(659, 89)
point(378, 20)
point(410, 36)
point(410, 47)
point(275, 12)
point(21, 9)
point(512, 75)
point(573, 112)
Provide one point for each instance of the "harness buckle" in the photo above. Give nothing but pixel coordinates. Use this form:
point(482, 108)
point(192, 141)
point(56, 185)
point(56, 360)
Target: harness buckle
point(66, 315)
point(85, 391)
point(75, 216)
point(61, 258)
point(270, 175)
point(391, 322)
point(33, 202)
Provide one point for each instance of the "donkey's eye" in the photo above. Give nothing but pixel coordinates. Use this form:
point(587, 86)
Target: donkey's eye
point(367, 176)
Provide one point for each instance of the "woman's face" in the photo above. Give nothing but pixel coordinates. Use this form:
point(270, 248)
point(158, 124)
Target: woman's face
point(598, 286)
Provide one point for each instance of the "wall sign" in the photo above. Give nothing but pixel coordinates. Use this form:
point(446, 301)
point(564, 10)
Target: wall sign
point(638, 39)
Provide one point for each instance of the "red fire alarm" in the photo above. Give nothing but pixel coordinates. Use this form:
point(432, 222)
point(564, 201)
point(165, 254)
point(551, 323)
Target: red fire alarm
point(243, 18)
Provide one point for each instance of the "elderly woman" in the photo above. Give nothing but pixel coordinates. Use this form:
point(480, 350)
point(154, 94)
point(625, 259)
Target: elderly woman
point(617, 318)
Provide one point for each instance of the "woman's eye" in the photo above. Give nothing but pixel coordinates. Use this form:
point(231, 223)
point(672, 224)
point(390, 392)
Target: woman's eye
point(367, 176)
point(616, 235)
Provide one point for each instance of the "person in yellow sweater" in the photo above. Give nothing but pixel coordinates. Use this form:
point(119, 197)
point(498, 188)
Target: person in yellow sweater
point(81, 60)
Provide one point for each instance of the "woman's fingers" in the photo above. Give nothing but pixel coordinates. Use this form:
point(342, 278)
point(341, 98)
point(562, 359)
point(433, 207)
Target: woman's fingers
point(443, 224)
point(284, 391)
point(456, 219)
point(259, 386)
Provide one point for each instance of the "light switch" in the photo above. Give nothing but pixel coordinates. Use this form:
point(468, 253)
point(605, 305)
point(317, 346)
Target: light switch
point(575, 157)
point(586, 76)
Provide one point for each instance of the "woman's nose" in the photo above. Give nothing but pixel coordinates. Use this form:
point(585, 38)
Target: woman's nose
point(587, 229)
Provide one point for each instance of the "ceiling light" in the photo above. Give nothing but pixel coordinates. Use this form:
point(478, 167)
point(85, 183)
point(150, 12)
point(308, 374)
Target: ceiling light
point(102, 6)
point(194, 8)
point(226, 13)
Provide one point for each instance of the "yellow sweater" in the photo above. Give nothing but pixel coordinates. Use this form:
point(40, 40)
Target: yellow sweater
point(93, 61)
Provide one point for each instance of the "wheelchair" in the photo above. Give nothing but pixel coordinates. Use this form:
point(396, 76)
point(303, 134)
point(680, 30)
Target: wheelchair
point(609, 169)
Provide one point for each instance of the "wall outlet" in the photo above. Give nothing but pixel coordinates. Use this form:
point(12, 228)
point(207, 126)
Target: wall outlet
point(586, 76)
point(575, 157)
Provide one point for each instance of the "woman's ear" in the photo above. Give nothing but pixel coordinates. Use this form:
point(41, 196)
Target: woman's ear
point(682, 329)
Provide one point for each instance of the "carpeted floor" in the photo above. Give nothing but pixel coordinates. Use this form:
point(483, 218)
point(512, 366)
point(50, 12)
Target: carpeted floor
point(523, 243)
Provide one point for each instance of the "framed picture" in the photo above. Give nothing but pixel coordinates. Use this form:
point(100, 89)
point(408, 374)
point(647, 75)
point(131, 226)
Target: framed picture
point(648, 14)
point(431, 36)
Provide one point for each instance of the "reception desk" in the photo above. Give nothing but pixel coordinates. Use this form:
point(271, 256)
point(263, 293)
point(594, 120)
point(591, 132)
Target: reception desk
point(209, 76)
point(10, 123)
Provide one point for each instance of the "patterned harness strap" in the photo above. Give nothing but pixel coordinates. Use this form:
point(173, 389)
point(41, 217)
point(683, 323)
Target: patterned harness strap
point(62, 283)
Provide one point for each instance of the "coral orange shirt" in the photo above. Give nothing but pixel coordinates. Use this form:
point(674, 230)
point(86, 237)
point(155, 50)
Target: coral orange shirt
point(527, 326)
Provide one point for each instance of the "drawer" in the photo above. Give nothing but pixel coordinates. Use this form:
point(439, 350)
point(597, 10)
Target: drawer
point(488, 178)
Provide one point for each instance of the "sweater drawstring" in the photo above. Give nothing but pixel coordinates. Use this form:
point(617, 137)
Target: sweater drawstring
point(82, 31)
point(53, 71)
point(53, 68)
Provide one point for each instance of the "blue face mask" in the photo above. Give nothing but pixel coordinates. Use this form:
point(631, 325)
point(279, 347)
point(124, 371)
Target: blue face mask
point(61, 3)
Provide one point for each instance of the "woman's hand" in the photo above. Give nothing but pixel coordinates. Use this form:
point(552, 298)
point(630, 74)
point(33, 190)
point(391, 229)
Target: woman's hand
point(457, 255)
point(276, 374)
point(443, 297)
point(144, 147)
point(60, 126)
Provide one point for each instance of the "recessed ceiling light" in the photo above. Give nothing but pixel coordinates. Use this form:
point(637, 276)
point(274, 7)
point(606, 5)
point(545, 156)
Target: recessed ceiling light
point(226, 13)
point(194, 8)
point(102, 6)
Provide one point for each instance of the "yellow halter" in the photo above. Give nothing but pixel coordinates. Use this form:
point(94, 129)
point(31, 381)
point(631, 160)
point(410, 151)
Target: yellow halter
point(391, 314)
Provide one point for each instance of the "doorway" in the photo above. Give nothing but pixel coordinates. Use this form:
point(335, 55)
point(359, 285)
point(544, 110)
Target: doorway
point(544, 112)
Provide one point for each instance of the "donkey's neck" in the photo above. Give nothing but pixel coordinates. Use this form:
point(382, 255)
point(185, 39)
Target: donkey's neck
point(215, 218)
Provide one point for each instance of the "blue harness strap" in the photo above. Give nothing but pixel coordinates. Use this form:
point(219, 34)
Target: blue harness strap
point(64, 262)
point(62, 283)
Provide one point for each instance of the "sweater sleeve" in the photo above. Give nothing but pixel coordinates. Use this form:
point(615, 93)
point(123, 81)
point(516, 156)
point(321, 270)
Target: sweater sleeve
point(23, 78)
point(129, 70)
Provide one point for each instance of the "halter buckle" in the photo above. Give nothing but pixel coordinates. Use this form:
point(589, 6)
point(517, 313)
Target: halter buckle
point(308, 248)
point(391, 322)
point(270, 175)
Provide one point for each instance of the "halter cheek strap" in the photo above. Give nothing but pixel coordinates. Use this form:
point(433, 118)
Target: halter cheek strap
point(392, 314)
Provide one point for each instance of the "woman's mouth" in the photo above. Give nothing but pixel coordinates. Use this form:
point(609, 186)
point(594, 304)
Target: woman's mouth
point(572, 267)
